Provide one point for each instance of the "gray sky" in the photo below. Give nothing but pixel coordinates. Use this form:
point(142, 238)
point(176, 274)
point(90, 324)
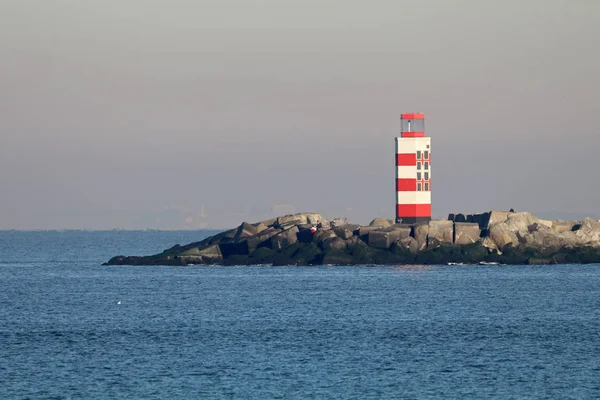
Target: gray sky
point(114, 113)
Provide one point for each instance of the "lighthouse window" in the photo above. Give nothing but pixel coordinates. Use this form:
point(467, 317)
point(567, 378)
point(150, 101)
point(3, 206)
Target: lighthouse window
point(426, 155)
point(426, 175)
point(426, 186)
point(419, 187)
point(419, 176)
point(418, 165)
point(426, 165)
point(419, 154)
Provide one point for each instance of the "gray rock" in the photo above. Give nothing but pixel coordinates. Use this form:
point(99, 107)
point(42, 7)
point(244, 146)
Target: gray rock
point(383, 238)
point(520, 222)
point(285, 238)
point(497, 216)
point(381, 222)
point(194, 251)
point(261, 238)
point(322, 235)
point(261, 227)
point(343, 232)
point(315, 219)
point(589, 232)
point(563, 226)
point(441, 232)
point(211, 253)
point(336, 222)
point(334, 243)
point(245, 230)
point(363, 231)
point(226, 235)
point(268, 222)
point(546, 241)
point(420, 233)
point(299, 219)
point(502, 235)
point(410, 244)
point(290, 220)
point(466, 233)
point(489, 244)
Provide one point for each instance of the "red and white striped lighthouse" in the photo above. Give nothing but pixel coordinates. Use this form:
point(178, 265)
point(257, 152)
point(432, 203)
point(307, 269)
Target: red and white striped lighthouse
point(413, 171)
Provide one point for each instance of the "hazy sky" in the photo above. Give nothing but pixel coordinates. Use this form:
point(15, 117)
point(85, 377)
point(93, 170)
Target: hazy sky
point(113, 111)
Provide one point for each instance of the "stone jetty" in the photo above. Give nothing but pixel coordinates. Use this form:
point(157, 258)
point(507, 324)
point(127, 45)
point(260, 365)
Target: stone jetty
point(503, 237)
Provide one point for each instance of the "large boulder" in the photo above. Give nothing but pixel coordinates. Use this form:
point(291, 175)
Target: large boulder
point(502, 235)
point(346, 231)
point(589, 232)
point(315, 219)
point(284, 239)
point(381, 222)
point(306, 254)
point(260, 239)
point(245, 230)
point(409, 243)
point(337, 222)
point(420, 233)
point(441, 233)
point(299, 219)
point(322, 235)
point(216, 239)
point(545, 222)
point(383, 238)
point(206, 255)
point(489, 243)
point(211, 254)
point(267, 222)
point(363, 231)
point(290, 220)
point(261, 227)
point(466, 232)
point(520, 221)
point(546, 241)
point(497, 216)
point(194, 251)
point(563, 226)
point(334, 243)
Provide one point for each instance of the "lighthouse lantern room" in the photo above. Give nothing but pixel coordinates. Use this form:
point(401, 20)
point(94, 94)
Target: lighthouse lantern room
point(413, 171)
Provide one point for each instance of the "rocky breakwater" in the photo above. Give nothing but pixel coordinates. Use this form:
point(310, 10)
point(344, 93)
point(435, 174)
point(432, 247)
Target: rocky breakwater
point(310, 239)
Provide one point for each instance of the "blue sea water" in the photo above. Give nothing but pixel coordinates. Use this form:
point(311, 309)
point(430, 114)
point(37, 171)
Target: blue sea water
point(468, 332)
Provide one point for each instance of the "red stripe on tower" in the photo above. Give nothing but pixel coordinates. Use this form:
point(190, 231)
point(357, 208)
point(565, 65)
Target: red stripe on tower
point(406, 185)
point(415, 210)
point(406, 159)
point(413, 134)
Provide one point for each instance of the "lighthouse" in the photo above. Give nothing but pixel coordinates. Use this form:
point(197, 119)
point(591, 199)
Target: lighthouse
point(413, 171)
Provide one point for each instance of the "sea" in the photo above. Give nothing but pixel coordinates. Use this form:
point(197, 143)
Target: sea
point(71, 328)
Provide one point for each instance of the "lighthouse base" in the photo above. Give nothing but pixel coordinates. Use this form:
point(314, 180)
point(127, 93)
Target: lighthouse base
point(412, 220)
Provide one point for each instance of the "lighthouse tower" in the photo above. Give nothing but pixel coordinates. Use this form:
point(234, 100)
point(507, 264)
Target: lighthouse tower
point(413, 171)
